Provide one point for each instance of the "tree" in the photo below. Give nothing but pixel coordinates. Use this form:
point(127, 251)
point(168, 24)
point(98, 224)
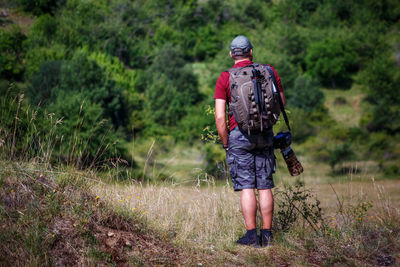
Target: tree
point(305, 94)
point(170, 87)
point(39, 7)
point(87, 102)
point(332, 60)
point(339, 154)
point(11, 53)
point(382, 81)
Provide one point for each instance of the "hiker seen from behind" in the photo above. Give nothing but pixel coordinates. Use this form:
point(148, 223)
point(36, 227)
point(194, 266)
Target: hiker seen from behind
point(251, 92)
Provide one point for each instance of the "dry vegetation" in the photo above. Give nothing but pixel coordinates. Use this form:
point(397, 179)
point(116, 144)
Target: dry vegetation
point(70, 217)
point(50, 218)
point(360, 223)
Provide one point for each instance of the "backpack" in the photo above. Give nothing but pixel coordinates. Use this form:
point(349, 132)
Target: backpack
point(255, 99)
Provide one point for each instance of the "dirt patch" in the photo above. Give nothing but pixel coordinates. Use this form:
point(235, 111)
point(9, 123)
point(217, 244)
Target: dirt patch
point(10, 17)
point(120, 244)
point(124, 245)
point(66, 247)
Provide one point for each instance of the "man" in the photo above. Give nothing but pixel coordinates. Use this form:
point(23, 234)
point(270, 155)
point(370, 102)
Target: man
point(250, 158)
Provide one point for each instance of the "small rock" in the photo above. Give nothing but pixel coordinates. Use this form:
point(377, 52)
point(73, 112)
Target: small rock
point(110, 234)
point(128, 244)
point(385, 260)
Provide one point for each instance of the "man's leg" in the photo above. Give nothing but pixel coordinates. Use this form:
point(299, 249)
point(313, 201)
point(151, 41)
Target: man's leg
point(266, 200)
point(248, 202)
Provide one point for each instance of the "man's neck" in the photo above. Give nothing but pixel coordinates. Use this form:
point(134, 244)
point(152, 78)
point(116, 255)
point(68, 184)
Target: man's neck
point(244, 59)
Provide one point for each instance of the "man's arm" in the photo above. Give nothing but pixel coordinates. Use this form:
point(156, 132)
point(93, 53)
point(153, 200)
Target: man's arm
point(220, 120)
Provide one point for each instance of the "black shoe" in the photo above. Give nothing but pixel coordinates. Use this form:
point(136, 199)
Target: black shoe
point(265, 237)
point(250, 239)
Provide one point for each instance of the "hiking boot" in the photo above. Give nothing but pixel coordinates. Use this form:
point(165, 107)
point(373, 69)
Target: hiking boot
point(249, 239)
point(265, 237)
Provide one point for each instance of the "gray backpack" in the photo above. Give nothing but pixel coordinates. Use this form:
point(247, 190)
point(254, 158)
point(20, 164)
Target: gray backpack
point(255, 99)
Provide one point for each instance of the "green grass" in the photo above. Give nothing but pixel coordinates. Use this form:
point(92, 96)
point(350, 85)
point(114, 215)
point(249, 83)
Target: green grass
point(203, 74)
point(344, 105)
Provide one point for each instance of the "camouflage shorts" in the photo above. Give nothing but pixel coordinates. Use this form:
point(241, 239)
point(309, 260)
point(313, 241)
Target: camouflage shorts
point(251, 160)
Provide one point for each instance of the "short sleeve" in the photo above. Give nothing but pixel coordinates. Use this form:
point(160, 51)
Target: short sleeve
point(221, 88)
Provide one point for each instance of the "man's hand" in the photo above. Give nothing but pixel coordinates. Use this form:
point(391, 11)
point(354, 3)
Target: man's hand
point(220, 120)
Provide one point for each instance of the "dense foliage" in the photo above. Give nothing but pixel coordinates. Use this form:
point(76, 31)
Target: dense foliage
point(121, 68)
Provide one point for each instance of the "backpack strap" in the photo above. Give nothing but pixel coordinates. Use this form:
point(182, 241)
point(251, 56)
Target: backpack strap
point(271, 72)
point(235, 69)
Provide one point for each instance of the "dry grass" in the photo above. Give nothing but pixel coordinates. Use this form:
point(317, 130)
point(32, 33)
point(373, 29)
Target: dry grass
point(203, 221)
point(49, 218)
point(383, 194)
point(209, 218)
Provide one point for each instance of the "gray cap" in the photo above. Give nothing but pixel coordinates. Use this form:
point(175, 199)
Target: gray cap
point(240, 45)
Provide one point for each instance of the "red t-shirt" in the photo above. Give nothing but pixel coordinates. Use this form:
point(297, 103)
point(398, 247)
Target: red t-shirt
point(222, 90)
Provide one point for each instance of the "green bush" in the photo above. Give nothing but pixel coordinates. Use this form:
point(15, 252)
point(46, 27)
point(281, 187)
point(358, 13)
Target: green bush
point(381, 77)
point(88, 104)
point(43, 31)
point(171, 87)
point(11, 53)
point(86, 138)
point(340, 153)
point(332, 60)
point(305, 94)
point(39, 7)
point(216, 161)
point(296, 204)
point(45, 83)
point(300, 124)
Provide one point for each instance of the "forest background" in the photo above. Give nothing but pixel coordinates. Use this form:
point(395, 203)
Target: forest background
point(106, 78)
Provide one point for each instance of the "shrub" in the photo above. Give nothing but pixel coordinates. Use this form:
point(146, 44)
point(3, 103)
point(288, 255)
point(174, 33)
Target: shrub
point(381, 77)
point(300, 124)
point(339, 154)
point(39, 7)
point(85, 136)
point(297, 203)
point(11, 53)
point(305, 94)
point(88, 105)
point(332, 60)
point(171, 87)
point(216, 161)
point(45, 83)
point(80, 75)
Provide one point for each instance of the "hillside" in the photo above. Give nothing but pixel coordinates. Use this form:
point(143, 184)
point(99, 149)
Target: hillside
point(69, 217)
point(51, 218)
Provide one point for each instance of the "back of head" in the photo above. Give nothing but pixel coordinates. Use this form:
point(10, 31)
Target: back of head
point(240, 47)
